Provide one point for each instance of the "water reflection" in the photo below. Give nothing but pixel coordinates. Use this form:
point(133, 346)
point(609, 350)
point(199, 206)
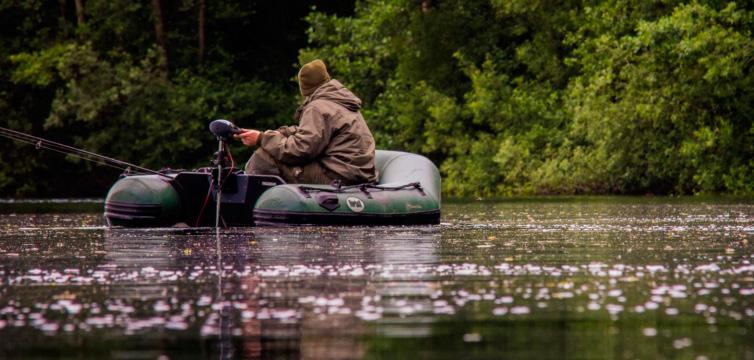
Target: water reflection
point(519, 280)
point(298, 291)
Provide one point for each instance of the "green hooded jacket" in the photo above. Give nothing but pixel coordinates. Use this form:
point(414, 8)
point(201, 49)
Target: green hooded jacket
point(331, 131)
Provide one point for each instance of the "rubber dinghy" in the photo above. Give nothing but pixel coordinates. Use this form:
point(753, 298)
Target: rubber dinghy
point(407, 193)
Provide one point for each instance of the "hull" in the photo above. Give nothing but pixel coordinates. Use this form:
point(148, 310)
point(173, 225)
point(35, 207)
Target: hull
point(407, 193)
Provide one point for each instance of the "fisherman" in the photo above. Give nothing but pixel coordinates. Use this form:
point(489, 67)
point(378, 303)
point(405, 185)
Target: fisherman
point(331, 142)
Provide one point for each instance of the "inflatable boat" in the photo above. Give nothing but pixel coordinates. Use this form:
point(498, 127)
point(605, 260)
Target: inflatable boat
point(407, 193)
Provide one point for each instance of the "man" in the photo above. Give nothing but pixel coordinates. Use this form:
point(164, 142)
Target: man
point(331, 142)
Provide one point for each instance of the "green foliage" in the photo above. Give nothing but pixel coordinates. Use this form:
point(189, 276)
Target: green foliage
point(508, 97)
point(167, 117)
point(99, 84)
point(360, 48)
point(519, 97)
point(131, 111)
point(669, 106)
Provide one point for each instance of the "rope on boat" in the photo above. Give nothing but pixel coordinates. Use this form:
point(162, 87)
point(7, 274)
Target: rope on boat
point(41, 143)
point(364, 188)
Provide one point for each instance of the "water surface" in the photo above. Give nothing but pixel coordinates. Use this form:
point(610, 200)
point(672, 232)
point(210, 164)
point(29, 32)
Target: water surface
point(561, 278)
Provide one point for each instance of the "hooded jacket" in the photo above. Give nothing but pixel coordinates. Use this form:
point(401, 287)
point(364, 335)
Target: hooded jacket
point(331, 131)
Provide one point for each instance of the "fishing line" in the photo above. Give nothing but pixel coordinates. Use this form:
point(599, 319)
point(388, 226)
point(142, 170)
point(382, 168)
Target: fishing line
point(78, 156)
point(41, 143)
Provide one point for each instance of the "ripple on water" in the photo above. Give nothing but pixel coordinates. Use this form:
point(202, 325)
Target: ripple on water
point(613, 268)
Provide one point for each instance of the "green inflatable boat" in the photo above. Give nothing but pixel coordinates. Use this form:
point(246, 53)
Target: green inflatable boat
point(407, 193)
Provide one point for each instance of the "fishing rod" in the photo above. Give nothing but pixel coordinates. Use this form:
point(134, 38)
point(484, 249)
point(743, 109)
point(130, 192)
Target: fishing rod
point(41, 143)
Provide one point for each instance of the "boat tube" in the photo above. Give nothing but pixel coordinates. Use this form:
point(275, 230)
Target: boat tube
point(407, 193)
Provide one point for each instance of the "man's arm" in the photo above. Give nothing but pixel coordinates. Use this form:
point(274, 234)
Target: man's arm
point(287, 130)
point(307, 142)
point(251, 137)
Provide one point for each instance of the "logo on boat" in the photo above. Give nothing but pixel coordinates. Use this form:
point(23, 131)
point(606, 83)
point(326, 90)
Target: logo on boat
point(355, 204)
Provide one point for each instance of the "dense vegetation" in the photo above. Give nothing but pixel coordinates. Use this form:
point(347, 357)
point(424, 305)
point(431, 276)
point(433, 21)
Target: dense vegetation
point(508, 97)
point(534, 96)
point(140, 81)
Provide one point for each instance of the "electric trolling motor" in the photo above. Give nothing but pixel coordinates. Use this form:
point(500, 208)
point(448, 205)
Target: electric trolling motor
point(223, 130)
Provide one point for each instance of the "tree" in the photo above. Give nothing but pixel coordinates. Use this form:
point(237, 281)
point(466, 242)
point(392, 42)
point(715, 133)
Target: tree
point(519, 97)
point(667, 108)
point(159, 32)
point(202, 16)
point(107, 87)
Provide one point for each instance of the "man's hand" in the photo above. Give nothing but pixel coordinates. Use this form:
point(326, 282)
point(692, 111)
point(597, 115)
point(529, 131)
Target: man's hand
point(248, 137)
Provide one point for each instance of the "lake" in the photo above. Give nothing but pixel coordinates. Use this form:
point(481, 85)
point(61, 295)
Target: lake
point(540, 278)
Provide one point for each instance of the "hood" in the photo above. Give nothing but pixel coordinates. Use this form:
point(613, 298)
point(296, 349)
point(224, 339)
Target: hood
point(334, 91)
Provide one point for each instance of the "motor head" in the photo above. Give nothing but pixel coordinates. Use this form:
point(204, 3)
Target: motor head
point(223, 129)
